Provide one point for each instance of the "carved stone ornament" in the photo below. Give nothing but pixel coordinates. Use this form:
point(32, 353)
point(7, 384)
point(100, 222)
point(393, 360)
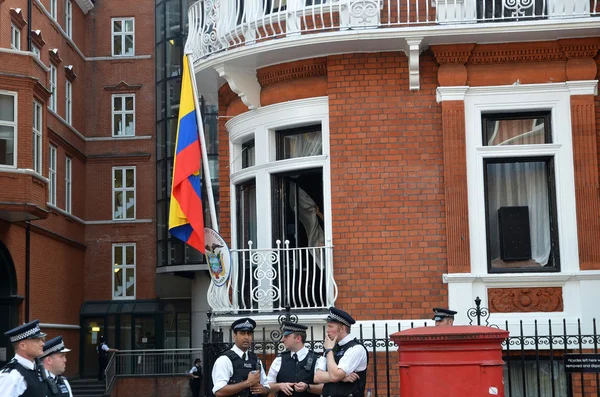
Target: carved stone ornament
point(452, 54)
point(586, 48)
point(525, 300)
point(54, 56)
point(508, 53)
point(295, 71)
point(16, 15)
point(36, 37)
point(122, 86)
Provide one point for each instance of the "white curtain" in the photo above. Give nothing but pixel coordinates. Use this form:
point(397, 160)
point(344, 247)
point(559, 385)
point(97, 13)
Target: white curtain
point(304, 145)
point(521, 184)
point(308, 214)
point(548, 375)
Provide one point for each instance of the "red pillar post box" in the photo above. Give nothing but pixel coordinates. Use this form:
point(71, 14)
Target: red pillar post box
point(451, 361)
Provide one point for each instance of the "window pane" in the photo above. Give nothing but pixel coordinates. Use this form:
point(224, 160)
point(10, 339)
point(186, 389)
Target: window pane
point(174, 57)
point(118, 255)
point(117, 103)
point(129, 131)
point(160, 22)
point(118, 205)
point(171, 136)
point(130, 176)
point(160, 61)
point(173, 18)
point(117, 124)
point(173, 94)
point(118, 283)
point(129, 25)
point(118, 178)
point(129, 45)
point(7, 108)
point(116, 26)
point(118, 48)
point(521, 131)
point(301, 144)
point(519, 214)
point(130, 255)
point(130, 277)
point(7, 144)
point(130, 205)
point(129, 103)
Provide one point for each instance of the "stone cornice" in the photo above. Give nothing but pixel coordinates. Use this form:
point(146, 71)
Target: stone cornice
point(16, 15)
point(37, 39)
point(122, 86)
point(537, 52)
point(580, 48)
point(294, 71)
point(459, 53)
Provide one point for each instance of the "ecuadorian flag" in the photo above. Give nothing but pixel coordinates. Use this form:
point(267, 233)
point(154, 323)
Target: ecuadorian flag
point(186, 218)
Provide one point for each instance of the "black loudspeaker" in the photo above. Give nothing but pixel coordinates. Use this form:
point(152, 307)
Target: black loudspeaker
point(515, 239)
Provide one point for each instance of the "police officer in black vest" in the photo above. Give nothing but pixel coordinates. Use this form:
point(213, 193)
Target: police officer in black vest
point(292, 372)
point(239, 372)
point(343, 367)
point(22, 376)
point(55, 363)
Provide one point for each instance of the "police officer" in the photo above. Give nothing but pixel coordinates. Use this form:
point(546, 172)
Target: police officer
point(22, 377)
point(103, 351)
point(55, 362)
point(443, 317)
point(292, 372)
point(343, 367)
point(196, 378)
point(239, 372)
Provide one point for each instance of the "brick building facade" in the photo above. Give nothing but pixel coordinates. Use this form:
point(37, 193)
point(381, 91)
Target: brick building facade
point(77, 172)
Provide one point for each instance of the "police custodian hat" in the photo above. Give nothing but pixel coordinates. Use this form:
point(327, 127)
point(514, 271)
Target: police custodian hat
point(54, 345)
point(243, 324)
point(440, 314)
point(339, 316)
point(26, 331)
point(289, 327)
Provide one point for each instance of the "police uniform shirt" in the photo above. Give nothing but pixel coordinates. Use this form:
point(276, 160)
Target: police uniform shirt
point(64, 380)
point(12, 383)
point(193, 370)
point(223, 371)
point(104, 347)
point(354, 359)
point(276, 365)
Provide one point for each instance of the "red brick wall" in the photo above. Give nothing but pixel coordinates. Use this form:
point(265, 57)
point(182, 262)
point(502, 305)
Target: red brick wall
point(170, 386)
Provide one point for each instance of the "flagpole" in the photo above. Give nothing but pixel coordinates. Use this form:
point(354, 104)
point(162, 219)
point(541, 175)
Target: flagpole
point(207, 180)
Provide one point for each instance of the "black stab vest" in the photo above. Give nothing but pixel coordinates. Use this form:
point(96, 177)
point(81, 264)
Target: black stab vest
point(35, 385)
point(294, 372)
point(241, 369)
point(345, 389)
point(63, 390)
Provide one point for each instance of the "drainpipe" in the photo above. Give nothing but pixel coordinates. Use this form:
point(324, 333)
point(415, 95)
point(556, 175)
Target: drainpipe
point(29, 10)
point(27, 265)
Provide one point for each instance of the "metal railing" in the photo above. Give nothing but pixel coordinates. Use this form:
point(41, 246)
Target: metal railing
point(269, 280)
point(218, 25)
point(109, 375)
point(156, 362)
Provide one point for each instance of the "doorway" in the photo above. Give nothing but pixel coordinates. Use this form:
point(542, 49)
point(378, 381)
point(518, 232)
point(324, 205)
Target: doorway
point(9, 302)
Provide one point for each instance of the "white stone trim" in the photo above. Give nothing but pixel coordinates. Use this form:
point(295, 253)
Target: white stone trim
point(24, 171)
point(59, 326)
point(65, 213)
point(450, 93)
point(118, 138)
point(117, 222)
point(581, 289)
point(118, 58)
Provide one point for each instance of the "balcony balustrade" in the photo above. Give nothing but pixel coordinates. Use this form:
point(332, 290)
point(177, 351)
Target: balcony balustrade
point(268, 280)
point(219, 25)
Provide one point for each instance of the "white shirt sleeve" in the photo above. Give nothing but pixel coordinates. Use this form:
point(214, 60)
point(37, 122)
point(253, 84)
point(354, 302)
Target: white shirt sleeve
point(274, 370)
point(221, 373)
point(263, 376)
point(105, 347)
point(321, 364)
point(12, 384)
point(193, 370)
point(68, 387)
point(354, 359)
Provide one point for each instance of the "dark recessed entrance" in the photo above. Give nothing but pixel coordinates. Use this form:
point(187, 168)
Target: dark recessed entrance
point(9, 302)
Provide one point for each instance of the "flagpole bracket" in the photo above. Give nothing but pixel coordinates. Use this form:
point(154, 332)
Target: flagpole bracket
point(243, 82)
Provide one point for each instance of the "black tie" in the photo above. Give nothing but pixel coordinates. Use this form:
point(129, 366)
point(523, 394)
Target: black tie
point(244, 357)
point(295, 357)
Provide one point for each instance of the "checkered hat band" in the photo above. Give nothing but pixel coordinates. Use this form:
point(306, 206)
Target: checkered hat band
point(291, 328)
point(54, 349)
point(245, 324)
point(335, 317)
point(25, 335)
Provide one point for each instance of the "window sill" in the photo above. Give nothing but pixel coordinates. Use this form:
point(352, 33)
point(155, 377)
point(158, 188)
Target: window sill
point(522, 279)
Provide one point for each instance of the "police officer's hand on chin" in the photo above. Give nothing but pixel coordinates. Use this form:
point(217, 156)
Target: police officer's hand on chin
point(329, 343)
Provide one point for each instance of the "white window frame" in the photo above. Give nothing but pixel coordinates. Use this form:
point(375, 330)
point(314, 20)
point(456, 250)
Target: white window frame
point(36, 51)
point(14, 124)
point(15, 37)
point(554, 98)
point(123, 35)
point(69, 18)
point(37, 137)
point(52, 175)
point(262, 126)
point(53, 88)
point(122, 112)
point(68, 184)
point(53, 9)
point(122, 268)
point(69, 102)
point(123, 189)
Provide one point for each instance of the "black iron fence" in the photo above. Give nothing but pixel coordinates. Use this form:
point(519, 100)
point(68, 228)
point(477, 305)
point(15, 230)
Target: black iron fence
point(533, 354)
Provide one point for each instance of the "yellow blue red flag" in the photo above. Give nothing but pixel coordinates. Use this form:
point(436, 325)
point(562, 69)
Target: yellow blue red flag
point(186, 217)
